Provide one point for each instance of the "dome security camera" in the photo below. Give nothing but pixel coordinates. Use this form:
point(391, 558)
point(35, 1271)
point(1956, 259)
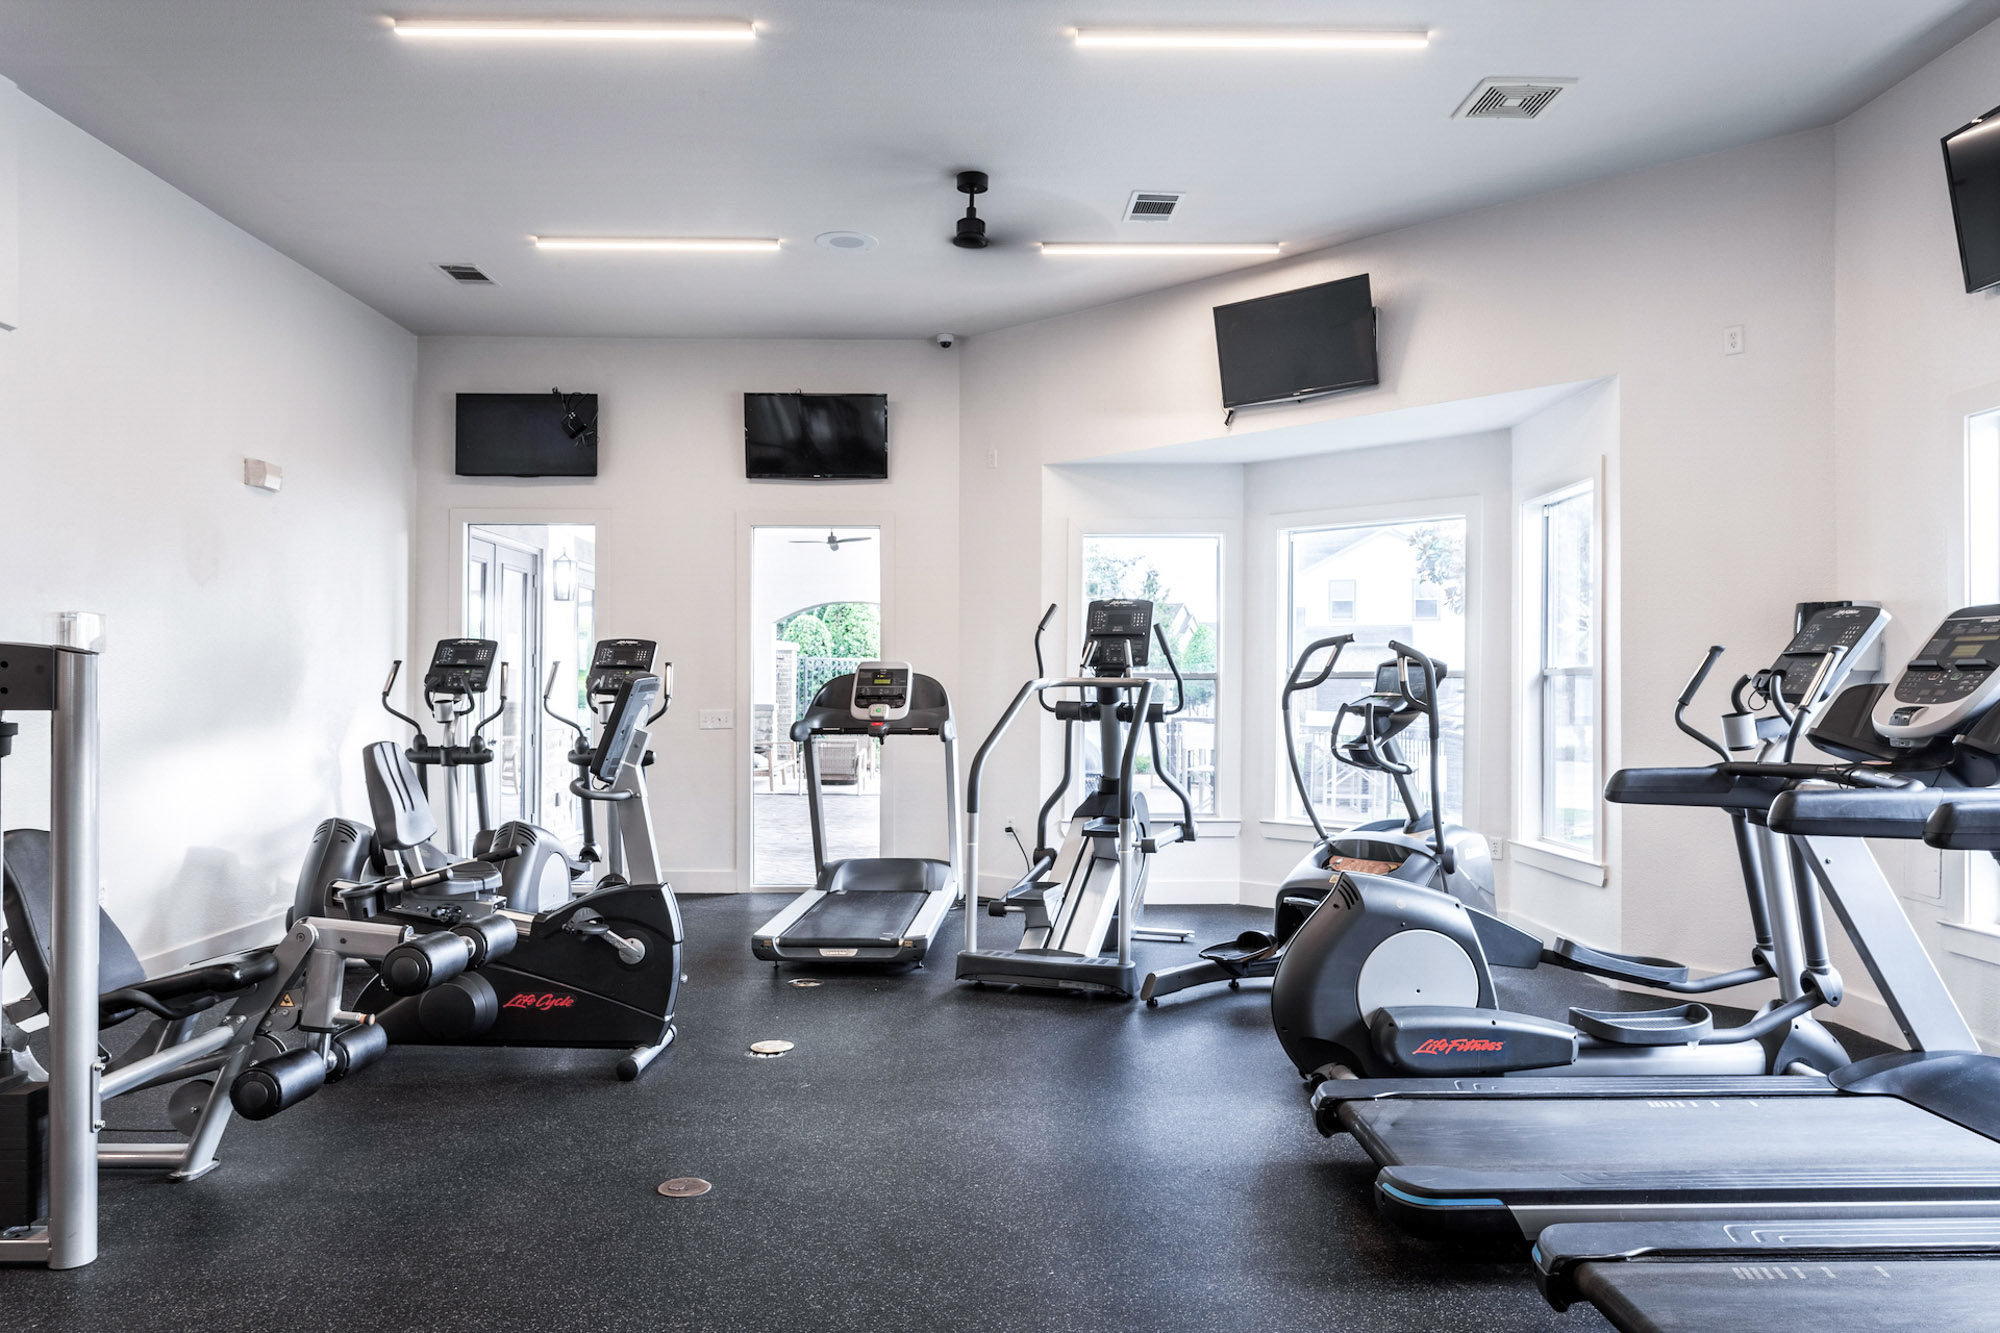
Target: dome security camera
point(946, 340)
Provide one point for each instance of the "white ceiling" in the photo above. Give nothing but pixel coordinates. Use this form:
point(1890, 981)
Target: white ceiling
point(370, 158)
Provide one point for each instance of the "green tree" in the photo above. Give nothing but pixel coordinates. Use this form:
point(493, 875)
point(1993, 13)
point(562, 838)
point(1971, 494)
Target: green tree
point(856, 628)
point(1441, 561)
point(810, 634)
point(1198, 652)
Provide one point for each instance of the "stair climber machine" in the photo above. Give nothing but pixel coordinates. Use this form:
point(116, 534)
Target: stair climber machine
point(279, 1028)
point(628, 813)
point(1908, 1137)
point(601, 971)
point(541, 874)
point(874, 909)
point(1392, 980)
point(1452, 860)
point(1089, 895)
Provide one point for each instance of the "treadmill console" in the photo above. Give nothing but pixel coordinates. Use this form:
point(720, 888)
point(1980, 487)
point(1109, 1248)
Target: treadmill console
point(1809, 665)
point(881, 692)
point(615, 662)
point(1952, 679)
point(1117, 637)
point(460, 667)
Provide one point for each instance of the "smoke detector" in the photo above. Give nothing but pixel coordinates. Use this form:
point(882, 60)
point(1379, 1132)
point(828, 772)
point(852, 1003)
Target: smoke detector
point(466, 274)
point(1153, 205)
point(1507, 98)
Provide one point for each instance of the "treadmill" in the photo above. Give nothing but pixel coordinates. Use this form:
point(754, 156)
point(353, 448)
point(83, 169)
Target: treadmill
point(1909, 1136)
point(873, 909)
point(1875, 1272)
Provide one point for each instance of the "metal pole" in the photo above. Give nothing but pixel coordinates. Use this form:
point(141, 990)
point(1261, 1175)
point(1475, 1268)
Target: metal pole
point(73, 984)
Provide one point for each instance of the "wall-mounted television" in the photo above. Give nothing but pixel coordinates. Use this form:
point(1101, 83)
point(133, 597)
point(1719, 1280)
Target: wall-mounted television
point(1972, 164)
point(816, 436)
point(1297, 344)
point(550, 434)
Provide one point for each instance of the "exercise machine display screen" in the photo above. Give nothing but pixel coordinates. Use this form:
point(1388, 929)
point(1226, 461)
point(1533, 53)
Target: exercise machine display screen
point(461, 666)
point(1117, 636)
point(881, 691)
point(616, 661)
point(1846, 629)
point(1957, 660)
point(1389, 679)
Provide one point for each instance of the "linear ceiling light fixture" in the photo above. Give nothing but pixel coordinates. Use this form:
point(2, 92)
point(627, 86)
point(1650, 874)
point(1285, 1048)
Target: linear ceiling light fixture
point(1141, 249)
point(685, 244)
point(576, 30)
point(1256, 39)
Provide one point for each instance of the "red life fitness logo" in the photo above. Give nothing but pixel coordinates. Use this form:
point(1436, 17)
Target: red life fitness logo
point(1458, 1045)
point(546, 1000)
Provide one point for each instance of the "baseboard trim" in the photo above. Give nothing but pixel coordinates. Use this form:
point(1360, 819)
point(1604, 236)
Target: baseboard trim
point(257, 935)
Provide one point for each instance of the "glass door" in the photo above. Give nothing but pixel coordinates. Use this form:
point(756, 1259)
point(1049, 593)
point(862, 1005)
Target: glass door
point(503, 602)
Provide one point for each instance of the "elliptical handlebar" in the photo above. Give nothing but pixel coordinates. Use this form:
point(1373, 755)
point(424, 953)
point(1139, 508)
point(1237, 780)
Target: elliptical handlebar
point(1692, 688)
point(1294, 685)
point(582, 736)
point(1041, 668)
point(1431, 709)
point(1180, 686)
point(666, 675)
point(498, 708)
point(395, 670)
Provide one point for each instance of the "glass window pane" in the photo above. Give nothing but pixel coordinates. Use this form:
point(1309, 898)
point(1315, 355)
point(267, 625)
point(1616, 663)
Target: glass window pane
point(1569, 782)
point(1381, 581)
point(1181, 575)
point(1566, 527)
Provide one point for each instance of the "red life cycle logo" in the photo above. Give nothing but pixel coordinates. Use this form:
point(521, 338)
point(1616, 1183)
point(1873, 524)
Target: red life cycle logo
point(1458, 1046)
point(528, 999)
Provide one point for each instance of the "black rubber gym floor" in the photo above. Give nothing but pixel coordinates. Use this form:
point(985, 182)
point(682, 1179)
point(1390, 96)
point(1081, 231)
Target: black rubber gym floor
point(929, 1156)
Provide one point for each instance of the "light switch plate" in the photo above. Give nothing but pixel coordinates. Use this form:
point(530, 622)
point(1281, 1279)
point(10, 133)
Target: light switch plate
point(717, 719)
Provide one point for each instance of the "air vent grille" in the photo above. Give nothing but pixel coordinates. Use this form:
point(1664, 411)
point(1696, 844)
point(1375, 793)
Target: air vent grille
point(468, 274)
point(1510, 99)
point(1153, 205)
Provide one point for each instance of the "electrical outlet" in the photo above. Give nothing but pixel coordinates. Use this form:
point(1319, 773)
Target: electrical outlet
point(717, 719)
point(1732, 340)
point(1497, 848)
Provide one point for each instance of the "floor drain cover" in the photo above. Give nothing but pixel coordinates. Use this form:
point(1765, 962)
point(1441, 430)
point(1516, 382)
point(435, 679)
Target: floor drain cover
point(806, 983)
point(685, 1187)
point(769, 1050)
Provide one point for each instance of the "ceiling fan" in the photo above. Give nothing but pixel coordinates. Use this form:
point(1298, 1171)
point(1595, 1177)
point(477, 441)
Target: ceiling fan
point(832, 542)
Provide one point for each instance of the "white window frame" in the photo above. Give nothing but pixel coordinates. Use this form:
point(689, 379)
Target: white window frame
point(1277, 820)
point(1353, 594)
point(1221, 819)
point(1534, 772)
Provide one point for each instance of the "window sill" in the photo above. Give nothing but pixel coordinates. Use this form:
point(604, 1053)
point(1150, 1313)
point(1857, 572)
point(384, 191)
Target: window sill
point(1559, 861)
point(1979, 943)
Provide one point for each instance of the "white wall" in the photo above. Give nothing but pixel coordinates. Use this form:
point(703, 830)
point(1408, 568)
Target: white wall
point(158, 346)
point(1722, 459)
point(1913, 355)
point(674, 514)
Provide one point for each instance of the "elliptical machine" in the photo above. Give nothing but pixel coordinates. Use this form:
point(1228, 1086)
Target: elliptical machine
point(1414, 849)
point(1384, 980)
point(628, 811)
point(1090, 894)
point(540, 874)
point(601, 970)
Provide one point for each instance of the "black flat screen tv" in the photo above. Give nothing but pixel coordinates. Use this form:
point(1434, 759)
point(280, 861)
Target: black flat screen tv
point(524, 435)
point(1972, 164)
point(816, 436)
point(1297, 344)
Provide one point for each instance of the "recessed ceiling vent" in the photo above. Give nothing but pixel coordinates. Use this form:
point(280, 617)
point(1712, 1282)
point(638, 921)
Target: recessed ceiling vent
point(1153, 205)
point(466, 273)
point(1510, 99)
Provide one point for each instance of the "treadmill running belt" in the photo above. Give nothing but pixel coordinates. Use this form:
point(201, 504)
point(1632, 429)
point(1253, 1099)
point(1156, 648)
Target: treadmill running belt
point(858, 917)
point(1898, 1295)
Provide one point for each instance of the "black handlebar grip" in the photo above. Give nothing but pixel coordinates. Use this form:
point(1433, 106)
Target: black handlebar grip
point(357, 1048)
point(1700, 675)
point(269, 1086)
point(415, 966)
